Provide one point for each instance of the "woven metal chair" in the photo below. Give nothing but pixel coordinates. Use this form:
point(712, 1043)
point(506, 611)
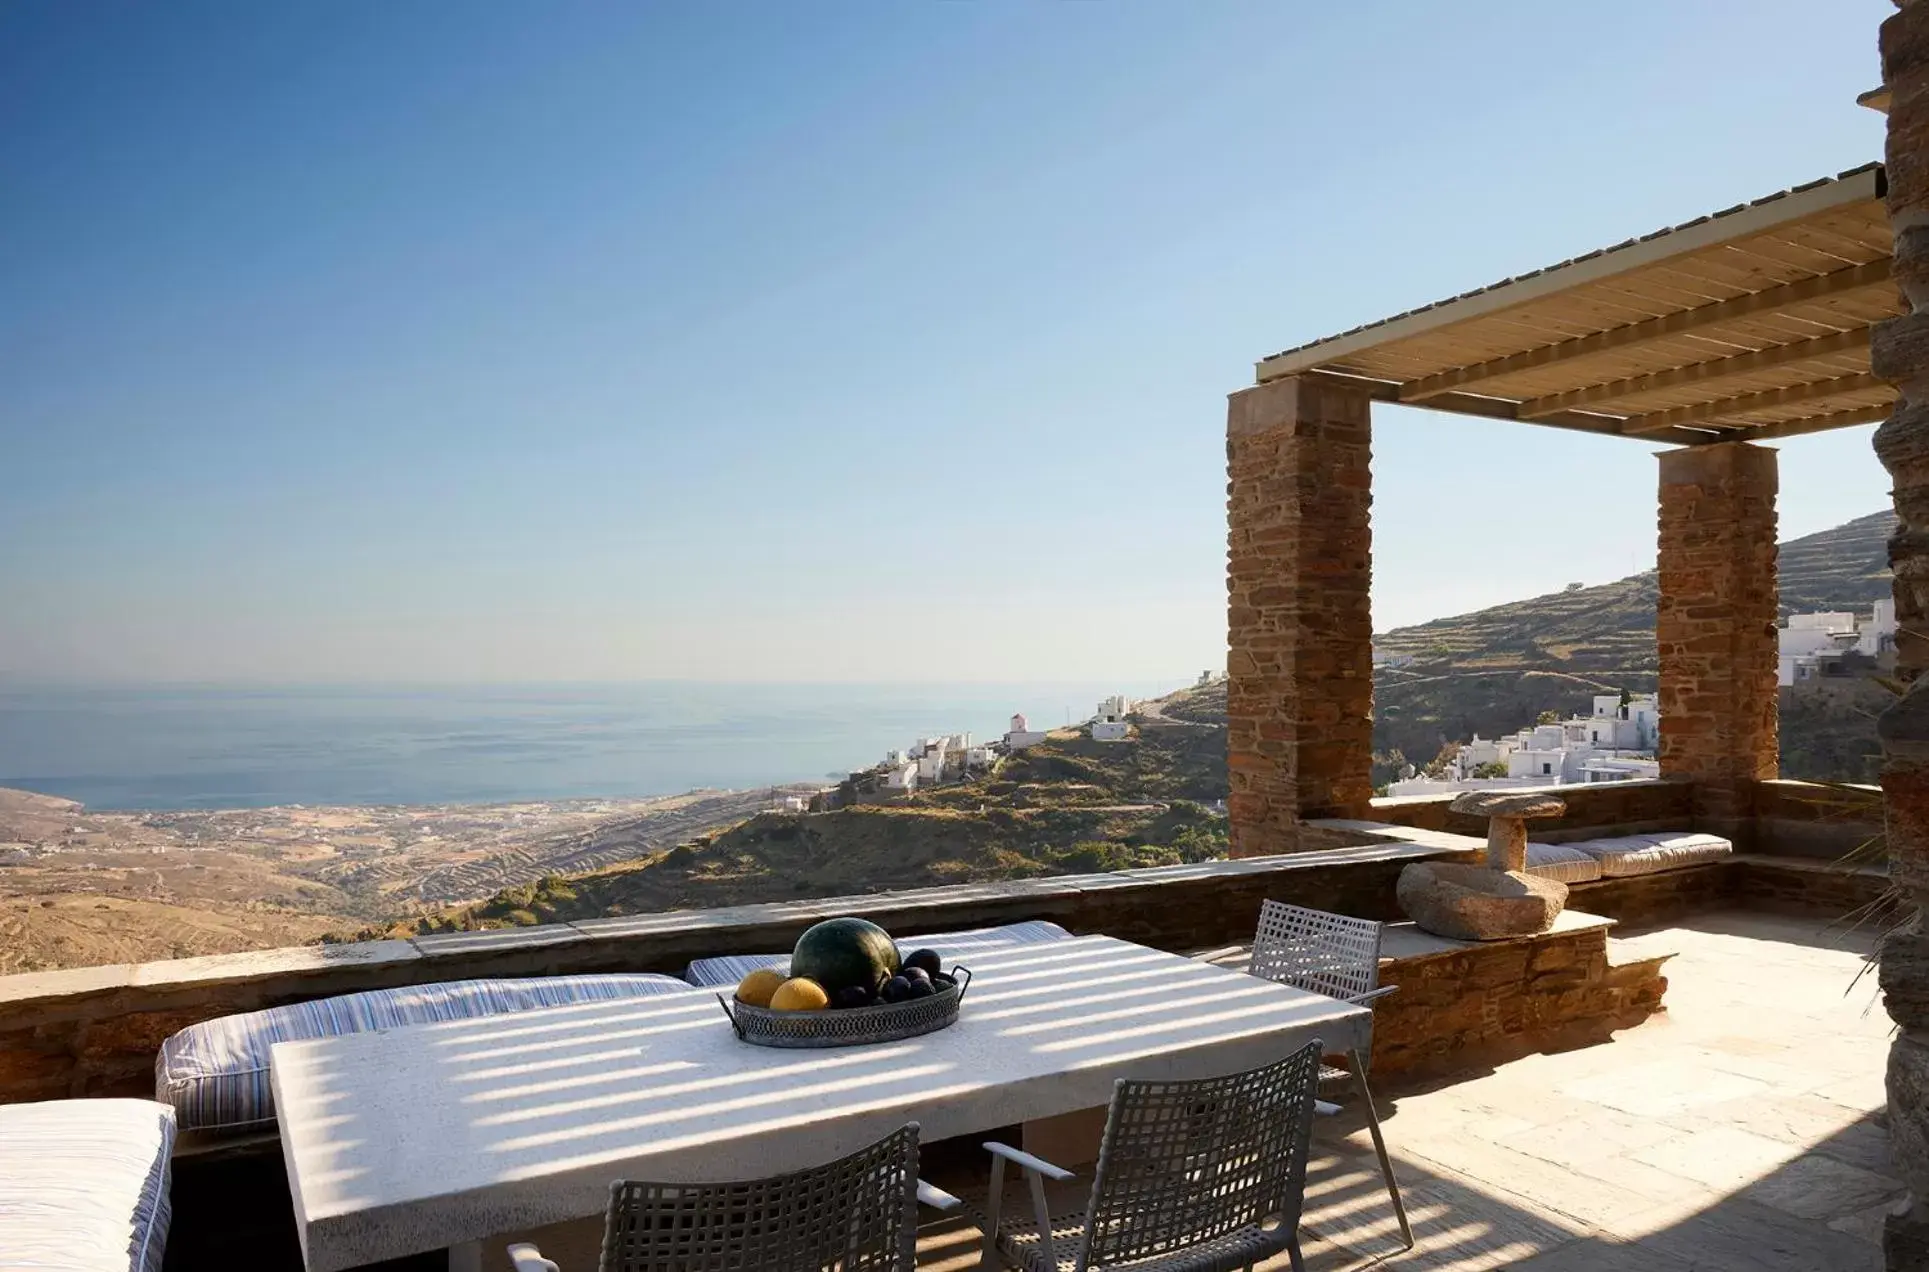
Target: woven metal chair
point(1338, 956)
point(856, 1214)
point(1201, 1176)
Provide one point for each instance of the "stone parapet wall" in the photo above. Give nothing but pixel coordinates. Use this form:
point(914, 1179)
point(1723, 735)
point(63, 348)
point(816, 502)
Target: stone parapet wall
point(1822, 821)
point(1299, 692)
point(95, 1031)
point(1599, 809)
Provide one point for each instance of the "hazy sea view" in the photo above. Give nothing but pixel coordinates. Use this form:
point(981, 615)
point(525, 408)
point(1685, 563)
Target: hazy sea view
point(214, 746)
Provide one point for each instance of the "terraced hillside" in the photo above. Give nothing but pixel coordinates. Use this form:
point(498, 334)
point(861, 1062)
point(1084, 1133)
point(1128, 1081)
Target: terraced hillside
point(1494, 670)
point(1067, 806)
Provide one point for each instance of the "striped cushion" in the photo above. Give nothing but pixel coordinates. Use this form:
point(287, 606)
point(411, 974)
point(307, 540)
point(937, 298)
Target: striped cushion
point(215, 1074)
point(731, 968)
point(1647, 854)
point(83, 1185)
point(1562, 863)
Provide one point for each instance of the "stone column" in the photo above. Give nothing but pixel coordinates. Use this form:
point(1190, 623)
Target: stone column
point(1299, 697)
point(1715, 627)
point(1899, 352)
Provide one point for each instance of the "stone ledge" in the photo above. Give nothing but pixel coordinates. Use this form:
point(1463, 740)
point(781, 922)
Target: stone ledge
point(94, 1031)
point(1463, 1004)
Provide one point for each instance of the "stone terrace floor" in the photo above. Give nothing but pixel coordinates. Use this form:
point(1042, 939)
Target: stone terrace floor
point(1741, 1129)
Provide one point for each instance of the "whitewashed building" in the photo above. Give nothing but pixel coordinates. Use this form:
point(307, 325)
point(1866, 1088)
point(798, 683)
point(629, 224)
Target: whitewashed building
point(1615, 742)
point(1021, 734)
point(1808, 644)
point(1109, 725)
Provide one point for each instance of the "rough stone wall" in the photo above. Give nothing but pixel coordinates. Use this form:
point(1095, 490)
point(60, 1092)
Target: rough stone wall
point(1899, 353)
point(1299, 697)
point(1594, 810)
point(1715, 626)
point(1499, 1001)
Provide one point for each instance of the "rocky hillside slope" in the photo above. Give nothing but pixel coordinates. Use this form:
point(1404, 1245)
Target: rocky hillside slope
point(1067, 806)
point(1494, 670)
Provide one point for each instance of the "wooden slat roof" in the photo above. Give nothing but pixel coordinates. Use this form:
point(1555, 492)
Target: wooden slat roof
point(1749, 324)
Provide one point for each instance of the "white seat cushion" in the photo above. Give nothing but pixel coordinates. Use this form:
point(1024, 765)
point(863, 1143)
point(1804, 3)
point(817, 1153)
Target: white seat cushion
point(215, 1074)
point(83, 1185)
point(728, 969)
point(1647, 854)
point(1563, 863)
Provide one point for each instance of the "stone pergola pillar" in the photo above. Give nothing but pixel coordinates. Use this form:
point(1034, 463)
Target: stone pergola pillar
point(1715, 626)
point(1299, 695)
point(1899, 353)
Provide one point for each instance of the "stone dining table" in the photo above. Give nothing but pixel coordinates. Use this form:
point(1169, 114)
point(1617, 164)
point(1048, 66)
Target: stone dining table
point(445, 1135)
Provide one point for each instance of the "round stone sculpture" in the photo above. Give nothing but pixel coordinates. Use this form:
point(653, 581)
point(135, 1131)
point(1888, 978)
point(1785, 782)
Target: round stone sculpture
point(1494, 901)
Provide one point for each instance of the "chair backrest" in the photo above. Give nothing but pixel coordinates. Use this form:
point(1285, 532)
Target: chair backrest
point(858, 1213)
point(1332, 954)
point(1184, 1163)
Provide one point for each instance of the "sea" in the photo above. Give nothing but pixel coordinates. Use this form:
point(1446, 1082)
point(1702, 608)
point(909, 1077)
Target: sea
point(117, 747)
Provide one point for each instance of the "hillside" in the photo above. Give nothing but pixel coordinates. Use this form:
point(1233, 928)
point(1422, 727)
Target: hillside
point(1493, 670)
point(1067, 806)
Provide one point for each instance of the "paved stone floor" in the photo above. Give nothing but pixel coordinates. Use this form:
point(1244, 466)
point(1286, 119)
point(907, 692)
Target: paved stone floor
point(1739, 1130)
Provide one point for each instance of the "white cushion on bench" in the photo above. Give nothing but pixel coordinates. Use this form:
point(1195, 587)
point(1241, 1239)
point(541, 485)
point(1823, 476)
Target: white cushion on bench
point(1647, 854)
point(1563, 863)
point(215, 1073)
point(728, 969)
point(83, 1185)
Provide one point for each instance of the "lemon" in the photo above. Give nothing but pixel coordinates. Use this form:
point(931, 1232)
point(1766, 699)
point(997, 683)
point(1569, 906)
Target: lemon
point(757, 987)
point(800, 993)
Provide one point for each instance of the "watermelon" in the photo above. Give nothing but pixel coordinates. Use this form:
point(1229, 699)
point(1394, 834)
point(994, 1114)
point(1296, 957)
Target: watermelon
point(841, 953)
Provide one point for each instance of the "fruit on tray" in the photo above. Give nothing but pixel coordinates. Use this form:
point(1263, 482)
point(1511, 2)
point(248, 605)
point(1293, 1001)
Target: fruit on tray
point(853, 996)
point(757, 988)
point(896, 990)
point(925, 959)
point(799, 993)
point(845, 952)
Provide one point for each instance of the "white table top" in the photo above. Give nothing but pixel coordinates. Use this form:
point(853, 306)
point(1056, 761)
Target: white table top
point(422, 1138)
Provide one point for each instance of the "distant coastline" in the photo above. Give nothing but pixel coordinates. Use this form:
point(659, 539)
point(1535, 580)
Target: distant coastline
point(129, 747)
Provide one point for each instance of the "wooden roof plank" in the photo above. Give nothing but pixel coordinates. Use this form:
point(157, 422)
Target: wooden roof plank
point(1820, 423)
point(1723, 407)
point(1841, 281)
point(1861, 186)
point(1698, 373)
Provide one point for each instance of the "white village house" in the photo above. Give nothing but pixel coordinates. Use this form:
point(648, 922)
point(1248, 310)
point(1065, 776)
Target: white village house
point(1812, 645)
point(1022, 735)
point(1614, 743)
point(1109, 725)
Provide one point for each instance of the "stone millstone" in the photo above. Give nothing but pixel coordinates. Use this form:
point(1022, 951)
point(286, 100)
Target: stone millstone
point(1509, 804)
point(1474, 903)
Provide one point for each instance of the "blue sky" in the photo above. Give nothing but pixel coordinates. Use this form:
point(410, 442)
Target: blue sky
point(806, 341)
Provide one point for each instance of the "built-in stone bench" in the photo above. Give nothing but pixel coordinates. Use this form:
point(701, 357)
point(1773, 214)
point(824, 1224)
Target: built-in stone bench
point(1467, 1004)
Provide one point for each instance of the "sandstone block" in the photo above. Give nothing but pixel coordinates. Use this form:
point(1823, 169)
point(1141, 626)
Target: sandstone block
point(1473, 903)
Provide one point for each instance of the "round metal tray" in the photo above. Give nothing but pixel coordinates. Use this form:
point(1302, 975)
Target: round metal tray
point(849, 1026)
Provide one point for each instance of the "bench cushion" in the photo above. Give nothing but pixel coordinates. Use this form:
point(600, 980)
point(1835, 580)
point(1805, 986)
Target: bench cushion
point(728, 969)
point(215, 1073)
point(1647, 854)
point(83, 1185)
point(1562, 862)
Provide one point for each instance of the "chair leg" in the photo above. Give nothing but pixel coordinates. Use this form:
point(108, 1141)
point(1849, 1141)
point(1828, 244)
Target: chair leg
point(1292, 1253)
point(1379, 1147)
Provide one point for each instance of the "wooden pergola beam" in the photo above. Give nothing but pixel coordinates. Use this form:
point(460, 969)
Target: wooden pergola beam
point(1768, 399)
point(1501, 409)
point(1814, 423)
point(1697, 373)
point(1666, 327)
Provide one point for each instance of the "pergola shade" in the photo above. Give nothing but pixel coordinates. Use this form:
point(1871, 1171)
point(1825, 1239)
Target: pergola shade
point(1749, 324)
